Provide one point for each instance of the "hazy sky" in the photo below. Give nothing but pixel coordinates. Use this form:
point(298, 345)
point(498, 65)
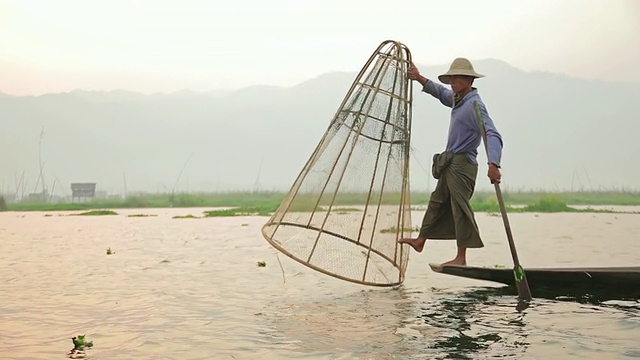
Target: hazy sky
point(163, 46)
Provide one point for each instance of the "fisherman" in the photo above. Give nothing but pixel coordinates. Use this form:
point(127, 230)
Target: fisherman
point(449, 214)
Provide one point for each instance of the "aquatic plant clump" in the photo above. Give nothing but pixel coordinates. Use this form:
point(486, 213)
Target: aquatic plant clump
point(79, 342)
point(185, 217)
point(395, 230)
point(242, 211)
point(97, 213)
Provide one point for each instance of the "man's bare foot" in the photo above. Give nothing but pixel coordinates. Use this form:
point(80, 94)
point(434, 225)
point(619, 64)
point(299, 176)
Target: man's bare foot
point(416, 244)
point(460, 259)
point(456, 261)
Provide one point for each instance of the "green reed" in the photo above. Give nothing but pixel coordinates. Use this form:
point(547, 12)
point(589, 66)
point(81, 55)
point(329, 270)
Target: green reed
point(266, 202)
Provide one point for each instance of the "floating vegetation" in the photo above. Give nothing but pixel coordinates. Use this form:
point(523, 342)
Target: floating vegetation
point(97, 213)
point(79, 342)
point(497, 266)
point(487, 204)
point(242, 211)
point(262, 264)
point(549, 204)
point(110, 252)
point(270, 200)
point(244, 225)
point(47, 215)
point(344, 211)
point(141, 215)
point(186, 217)
point(546, 204)
point(395, 230)
point(347, 209)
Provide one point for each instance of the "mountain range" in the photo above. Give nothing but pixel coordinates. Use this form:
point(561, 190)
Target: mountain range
point(560, 133)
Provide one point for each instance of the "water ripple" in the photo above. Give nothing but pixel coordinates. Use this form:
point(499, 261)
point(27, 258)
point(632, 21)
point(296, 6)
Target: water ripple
point(178, 289)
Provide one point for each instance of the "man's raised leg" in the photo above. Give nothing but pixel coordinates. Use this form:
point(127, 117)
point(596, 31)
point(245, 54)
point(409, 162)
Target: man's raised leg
point(416, 243)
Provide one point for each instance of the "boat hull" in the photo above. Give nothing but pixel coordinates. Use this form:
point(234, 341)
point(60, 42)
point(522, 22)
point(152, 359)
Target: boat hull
point(620, 280)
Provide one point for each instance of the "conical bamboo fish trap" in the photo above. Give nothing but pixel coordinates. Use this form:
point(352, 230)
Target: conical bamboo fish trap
point(350, 203)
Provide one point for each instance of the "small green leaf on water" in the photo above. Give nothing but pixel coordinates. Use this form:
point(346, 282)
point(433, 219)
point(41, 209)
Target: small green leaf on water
point(110, 252)
point(244, 225)
point(79, 342)
point(262, 264)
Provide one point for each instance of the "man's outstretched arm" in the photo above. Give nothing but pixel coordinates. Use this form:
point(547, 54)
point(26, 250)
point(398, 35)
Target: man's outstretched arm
point(434, 89)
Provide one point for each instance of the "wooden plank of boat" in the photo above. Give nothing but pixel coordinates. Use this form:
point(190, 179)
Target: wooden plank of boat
point(598, 278)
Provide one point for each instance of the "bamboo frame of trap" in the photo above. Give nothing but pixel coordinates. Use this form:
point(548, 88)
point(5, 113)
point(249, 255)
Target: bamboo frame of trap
point(375, 112)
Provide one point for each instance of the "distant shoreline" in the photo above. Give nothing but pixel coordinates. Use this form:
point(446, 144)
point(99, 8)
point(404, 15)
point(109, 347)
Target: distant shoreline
point(268, 201)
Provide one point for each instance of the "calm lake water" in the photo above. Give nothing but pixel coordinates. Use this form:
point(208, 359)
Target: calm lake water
point(191, 289)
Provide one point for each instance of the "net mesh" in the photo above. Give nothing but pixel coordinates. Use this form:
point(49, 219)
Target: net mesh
point(350, 203)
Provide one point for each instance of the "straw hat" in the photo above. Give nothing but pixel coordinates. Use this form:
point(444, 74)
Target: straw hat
point(459, 66)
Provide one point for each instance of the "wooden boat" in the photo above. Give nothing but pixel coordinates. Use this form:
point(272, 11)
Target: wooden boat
point(624, 281)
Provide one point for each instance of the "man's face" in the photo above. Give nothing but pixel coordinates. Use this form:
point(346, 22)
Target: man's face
point(460, 83)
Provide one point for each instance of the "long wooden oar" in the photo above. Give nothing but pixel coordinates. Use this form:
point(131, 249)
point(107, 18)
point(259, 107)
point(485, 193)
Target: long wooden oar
point(524, 293)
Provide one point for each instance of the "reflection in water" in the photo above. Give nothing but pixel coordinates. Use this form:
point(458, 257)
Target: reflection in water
point(192, 290)
point(475, 322)
point(77, 354)
point(603, 298)
point(362, 324)
point(399, 323)
point(484, 322)
point(407, 323)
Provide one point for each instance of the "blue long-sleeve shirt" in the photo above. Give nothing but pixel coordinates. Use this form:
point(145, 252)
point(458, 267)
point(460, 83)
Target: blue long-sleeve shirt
point(464, 133)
